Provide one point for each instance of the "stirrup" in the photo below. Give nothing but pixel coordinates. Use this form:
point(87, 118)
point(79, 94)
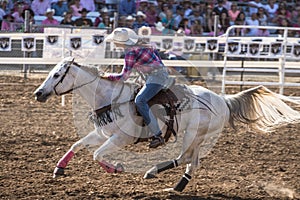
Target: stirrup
point(157, 141)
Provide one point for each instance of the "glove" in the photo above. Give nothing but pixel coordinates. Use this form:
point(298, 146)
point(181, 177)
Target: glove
point(104, 76)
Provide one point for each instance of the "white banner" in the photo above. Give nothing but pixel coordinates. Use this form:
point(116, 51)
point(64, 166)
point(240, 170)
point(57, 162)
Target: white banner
point(28, 44)
point(296, 50)
point(5, 44)
point(254, 49)
point(276, 49)
point(212, 45)
point(233, 48)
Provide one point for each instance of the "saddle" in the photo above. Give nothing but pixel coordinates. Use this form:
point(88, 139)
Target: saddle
point(172, 99)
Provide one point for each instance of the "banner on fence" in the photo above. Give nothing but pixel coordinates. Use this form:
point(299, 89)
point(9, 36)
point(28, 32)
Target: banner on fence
point(5, 44)
point(28, 44)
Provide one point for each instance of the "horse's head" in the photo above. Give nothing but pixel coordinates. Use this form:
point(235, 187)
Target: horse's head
point(59, 81)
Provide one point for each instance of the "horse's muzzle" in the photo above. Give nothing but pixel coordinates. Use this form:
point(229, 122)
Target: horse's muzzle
point(41, 96)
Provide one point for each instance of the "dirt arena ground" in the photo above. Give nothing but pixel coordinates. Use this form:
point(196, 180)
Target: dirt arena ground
point(34, 136)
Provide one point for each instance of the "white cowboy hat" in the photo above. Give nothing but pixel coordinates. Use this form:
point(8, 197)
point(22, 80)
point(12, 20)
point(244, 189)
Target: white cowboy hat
point(123, 36)
point(159, 26)
point(144, 31)
point(140, 13)
point(49, 10)
point(129, 18)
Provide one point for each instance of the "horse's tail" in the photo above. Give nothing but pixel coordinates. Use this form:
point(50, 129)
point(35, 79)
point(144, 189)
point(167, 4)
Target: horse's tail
point(260, 108)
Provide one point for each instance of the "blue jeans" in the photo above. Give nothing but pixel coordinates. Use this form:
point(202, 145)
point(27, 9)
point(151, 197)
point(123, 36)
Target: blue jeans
point(148, 91)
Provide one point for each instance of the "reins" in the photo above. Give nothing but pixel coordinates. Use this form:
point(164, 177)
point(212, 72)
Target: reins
point(73, 88)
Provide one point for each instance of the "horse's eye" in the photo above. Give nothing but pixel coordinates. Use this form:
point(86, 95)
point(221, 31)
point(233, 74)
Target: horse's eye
point(56, 75)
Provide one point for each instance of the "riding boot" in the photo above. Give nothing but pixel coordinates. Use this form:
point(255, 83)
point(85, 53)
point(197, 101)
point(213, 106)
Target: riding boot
point(157, 140)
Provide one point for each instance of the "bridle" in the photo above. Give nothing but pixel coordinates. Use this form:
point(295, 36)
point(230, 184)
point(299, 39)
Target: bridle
point(63, 77)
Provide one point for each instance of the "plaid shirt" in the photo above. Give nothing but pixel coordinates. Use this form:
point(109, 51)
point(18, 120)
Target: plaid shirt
point(143, 59)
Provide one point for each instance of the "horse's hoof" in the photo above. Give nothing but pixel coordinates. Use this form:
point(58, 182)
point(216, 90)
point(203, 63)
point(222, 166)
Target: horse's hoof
point(58, 171)
point(120, 168)
point(149, 176)
point(169, 190)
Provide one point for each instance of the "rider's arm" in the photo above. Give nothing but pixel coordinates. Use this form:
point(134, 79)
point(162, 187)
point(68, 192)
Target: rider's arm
point(130, 59)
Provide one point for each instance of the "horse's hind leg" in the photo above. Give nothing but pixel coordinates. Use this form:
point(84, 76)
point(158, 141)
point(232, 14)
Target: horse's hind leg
point(92, 139)
point(161, 167)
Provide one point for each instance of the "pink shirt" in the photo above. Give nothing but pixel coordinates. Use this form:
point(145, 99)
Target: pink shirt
point(233, 15)
point(50, 22)
point(76, 10)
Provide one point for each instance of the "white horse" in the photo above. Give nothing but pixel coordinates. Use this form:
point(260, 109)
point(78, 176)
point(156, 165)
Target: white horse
point(205, 116)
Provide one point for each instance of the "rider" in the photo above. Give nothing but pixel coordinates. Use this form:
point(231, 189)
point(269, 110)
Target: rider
point(146, 60)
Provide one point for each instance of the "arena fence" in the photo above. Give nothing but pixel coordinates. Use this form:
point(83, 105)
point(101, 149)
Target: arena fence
point(277, 55)
point(250, 52)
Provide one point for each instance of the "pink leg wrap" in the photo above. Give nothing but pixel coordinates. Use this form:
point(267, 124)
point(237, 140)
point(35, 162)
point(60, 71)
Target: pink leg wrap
point(63, 162)
point(110, 168)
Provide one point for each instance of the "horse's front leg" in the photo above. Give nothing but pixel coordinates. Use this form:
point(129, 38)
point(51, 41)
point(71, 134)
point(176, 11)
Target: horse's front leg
point(90, 140)
point(114, 143)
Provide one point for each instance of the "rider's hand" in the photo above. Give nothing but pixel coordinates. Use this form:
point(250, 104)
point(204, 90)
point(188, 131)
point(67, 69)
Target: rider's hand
point(104, 76)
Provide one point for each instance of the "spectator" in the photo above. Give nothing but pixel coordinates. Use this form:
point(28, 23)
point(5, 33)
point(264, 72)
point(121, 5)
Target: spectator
point(233, 13)
point(60, 7)
point(103, 13)
point(240, 20)
point(129, 22)
point(18, 14)
point(284, 23)
point(83, 21)
point(202, 8)
point(253, 6)
point(67, 20)
point(227, 4)
point(105, 23)
point(6, 5)
point(142, 6)
point(7, 23)
point(163, 13)
point(262, 32)
point(88, 5)
point(25, 4)
point(271, 9)
point(208, 25)
point(173, 4)
point(127, 7)
point(2, 13)
point(253, 21)
point(219, 9)
point(40, 7)
point(140, 21)
point(281, 14)
point(178, 16)
point(184, 26)
point(187, 8)
point(169, 23)
point(76, 7)
point(196, 17)
point(224, 23)
point(262, 17)
point(50, 20)
point(151, 14)
point(196, 28)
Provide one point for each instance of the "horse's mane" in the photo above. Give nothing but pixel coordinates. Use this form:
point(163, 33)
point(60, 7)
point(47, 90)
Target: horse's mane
point(89, 68)
point(96, 71)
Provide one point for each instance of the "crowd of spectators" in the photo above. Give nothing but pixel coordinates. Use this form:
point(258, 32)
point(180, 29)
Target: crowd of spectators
point(186, 17)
